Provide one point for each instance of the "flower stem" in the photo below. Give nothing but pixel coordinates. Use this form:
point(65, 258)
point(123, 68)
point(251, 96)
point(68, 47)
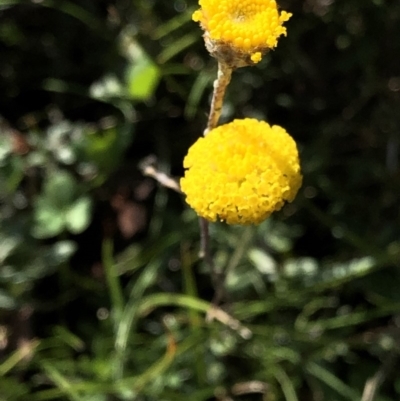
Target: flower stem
point(113, 283)
point(220, 85)
point(217, 278)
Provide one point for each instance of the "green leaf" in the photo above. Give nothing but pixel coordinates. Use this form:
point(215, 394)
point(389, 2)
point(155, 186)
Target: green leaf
point(60, 252)
point(263, 262)
point(286, 383)
point(57, 208)
point(6, 301)
point(68, 338)
point(48, 221)
point(142, 79)
point(11, 175)
point(8, 245)
point(4, 4)
point(332, 381)
point(16, 357)
point(60, 189)
point(77, 217)
point(64, 383)
point(103, 148)
point(12, 388)
point(179, 46)
point(5, 147)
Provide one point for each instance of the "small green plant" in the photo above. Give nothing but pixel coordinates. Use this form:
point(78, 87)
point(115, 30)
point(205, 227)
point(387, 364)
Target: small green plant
point(109, 290)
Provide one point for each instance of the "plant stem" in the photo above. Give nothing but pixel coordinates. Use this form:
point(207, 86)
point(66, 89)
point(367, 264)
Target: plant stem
point(190, 288)
point(205, 253)
point(114, 286)
point(220, 84)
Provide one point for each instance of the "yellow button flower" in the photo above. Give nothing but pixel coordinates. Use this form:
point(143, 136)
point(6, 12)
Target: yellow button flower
point(241, 172)
point(241, 29)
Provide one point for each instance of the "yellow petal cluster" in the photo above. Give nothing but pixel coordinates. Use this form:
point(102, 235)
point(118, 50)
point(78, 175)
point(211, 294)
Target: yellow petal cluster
point(241, 172)
point(248, 26)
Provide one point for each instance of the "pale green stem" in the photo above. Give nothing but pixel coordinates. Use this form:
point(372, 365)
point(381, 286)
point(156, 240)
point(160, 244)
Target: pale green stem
point(113, 283)
point(190, 287)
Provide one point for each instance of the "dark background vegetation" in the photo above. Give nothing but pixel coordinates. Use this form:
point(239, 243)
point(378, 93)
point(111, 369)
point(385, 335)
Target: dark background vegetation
point(102, 294)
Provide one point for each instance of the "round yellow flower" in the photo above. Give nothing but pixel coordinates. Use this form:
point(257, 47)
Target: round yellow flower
point(241, 172)
point(248, 28)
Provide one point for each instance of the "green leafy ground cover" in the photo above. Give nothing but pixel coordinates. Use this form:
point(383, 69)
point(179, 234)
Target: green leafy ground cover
point(102, 293)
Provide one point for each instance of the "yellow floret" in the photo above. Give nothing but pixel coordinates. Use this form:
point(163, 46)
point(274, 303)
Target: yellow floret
point(256, 57)
point(241, 172)
point(249, 26)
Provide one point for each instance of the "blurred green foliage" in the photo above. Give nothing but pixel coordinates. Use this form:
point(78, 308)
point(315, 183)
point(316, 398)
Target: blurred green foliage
point(102, 293)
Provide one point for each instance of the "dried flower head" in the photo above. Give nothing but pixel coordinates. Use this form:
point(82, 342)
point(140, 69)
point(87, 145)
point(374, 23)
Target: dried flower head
point(241, 172)
point(239, 32)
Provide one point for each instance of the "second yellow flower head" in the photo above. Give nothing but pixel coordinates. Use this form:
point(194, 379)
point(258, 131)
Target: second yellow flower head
point(241, 172)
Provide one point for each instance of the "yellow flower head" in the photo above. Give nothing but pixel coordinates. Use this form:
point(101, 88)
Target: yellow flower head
point(241, 172)
point(246, 28)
